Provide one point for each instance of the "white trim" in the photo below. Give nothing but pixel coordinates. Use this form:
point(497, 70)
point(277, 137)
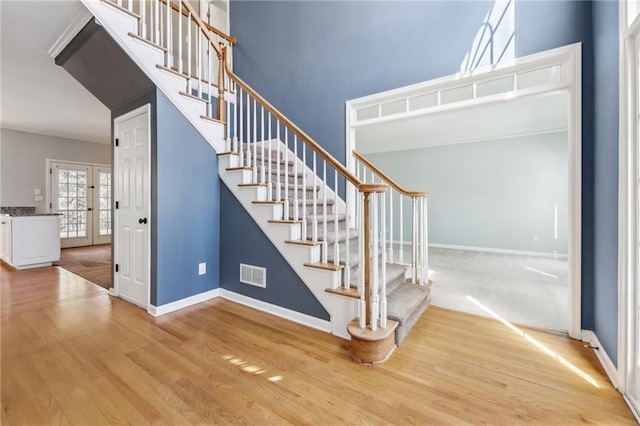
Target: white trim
point(571, 58)
point(492, 250)
point(590, 337)
point(279, 311)
point(78, 22)
point(632, 407)
point(156, 311)
point(144, 109)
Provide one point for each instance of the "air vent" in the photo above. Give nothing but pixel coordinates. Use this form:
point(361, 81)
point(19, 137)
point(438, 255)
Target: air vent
point(253, 275)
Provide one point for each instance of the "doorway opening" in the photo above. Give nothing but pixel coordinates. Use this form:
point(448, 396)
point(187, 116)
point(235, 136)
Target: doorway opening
point(498, 150)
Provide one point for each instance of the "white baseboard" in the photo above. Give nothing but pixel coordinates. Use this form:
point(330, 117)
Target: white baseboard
point(499, 251)
point(279, 311)
point(156, 311)
point(608, 365)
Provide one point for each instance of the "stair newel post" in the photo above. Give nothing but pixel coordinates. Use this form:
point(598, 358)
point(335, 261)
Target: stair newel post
point(304, 192)
point(383, 261)
point(314, 213)
point(414, 241)
point(286, 174)
point(221, 106)
point(336, 245)
point(374, 264)
point(363, 250)
point(324, 212)
point(296, 201)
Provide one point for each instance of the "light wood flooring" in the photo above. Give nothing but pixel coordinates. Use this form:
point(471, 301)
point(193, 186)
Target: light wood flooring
point(71, 354)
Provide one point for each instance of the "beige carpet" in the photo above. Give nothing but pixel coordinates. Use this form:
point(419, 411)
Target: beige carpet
point(92, 263)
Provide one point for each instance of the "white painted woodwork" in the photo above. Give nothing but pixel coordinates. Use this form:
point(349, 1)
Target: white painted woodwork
point(74, 202)
point(101, 205)
point(30, 241)
point(132, 217)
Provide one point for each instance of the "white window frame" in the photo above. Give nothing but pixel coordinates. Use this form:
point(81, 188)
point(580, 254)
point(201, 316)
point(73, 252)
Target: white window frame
point(628, 215)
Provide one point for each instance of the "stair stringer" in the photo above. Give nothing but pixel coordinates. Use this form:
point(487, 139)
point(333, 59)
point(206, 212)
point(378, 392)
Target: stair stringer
point(118, 24)
point(341, 309)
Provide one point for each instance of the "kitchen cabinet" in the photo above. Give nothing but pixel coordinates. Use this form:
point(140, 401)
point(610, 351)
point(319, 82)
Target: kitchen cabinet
point(31, 241)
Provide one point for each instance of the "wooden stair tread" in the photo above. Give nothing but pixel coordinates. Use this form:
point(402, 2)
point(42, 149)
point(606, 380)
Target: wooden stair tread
point(283, 222)
point(215, 120)
point(307, 243)
point(230, 169)
point(350, 292)
point(325, 266)
point(195, 98)
point(220, 154)
point(144, 40)
point(268, 202)
point(251, 185)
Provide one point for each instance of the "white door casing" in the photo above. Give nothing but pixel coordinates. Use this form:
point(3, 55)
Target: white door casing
point(132, 214)
point(71, 196)
point(101, 205)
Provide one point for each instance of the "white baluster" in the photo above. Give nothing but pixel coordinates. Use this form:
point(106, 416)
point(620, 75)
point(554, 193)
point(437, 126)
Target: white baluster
point(414, 241)
point(210, 78)
point(143, 18)
point(336, 245)
point(425, 243)
point(269, 164)
point(199, 69)
point(241, 127)
point(363, 304)
point(157, 22)
point(286, 174)
point(180, 39)
point(248, 160)
point(325, 186)
point(130, 5)
point(314, 223)
point(401, 252)
point(374, 298)
point(262, 170)
point(347, 254)
point(296, 203)
point(278, 182)
point(383, 266)
point(189, 49)
point(391, 224)
point(254, 175)
point(304, 193)
point(169, 36)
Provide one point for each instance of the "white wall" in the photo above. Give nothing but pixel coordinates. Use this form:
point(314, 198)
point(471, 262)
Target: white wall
point(23, 158)
point(492, 194)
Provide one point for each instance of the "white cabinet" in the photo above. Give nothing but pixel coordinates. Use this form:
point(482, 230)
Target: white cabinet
point(30, 241)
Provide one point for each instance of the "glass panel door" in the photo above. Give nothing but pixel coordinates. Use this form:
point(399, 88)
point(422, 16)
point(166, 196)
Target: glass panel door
point(102, 205)
point(70, 196)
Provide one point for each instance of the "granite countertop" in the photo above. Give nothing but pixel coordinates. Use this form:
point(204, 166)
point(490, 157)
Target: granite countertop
point(23, 211)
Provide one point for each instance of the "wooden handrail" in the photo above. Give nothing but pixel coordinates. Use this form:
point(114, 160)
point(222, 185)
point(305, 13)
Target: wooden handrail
point(388, 180)
point(211, 28)
point(296, 130)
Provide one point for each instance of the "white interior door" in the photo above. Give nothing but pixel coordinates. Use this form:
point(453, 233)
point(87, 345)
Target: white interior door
point(71, 187)
point(101, 205)
point(132, 236)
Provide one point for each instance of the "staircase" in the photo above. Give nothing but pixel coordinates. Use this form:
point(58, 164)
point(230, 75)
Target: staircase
point(333, 226)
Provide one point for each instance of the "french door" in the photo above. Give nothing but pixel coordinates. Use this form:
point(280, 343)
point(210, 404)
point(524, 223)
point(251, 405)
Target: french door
point(82, 194)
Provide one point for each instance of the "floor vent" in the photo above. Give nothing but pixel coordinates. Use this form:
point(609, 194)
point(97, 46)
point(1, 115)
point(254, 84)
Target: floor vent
point(253, 275)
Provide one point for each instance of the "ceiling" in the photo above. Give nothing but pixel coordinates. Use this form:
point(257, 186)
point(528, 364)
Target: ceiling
point(520, 116)
point(37, 95)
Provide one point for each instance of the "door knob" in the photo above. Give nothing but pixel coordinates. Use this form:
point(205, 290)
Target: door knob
point(142, 220)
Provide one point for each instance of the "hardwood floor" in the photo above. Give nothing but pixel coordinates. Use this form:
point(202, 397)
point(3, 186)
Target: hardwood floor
point(72, 354)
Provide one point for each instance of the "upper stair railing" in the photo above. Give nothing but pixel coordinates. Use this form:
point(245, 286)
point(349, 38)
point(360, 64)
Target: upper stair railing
point(400, 199)
point(294, 171)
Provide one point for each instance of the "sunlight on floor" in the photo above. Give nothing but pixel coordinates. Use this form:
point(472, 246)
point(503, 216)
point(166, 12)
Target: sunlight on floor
point(537, 344)
point(253, 369)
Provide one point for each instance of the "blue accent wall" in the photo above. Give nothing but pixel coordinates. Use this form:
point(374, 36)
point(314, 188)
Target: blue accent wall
point(187, 213)
point(309, 57)
point(242, 241)
point(605, 208)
